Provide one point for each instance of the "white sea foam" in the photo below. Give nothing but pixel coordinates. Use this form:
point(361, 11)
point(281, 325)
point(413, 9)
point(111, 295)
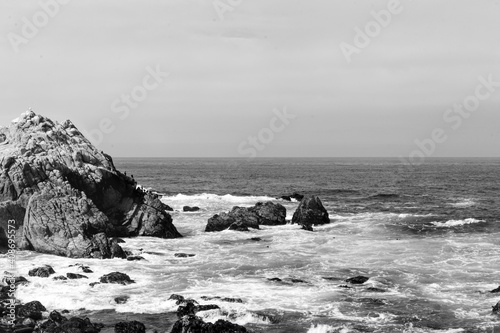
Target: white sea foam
point(214, 197)
point(455, 223)
point(320, 328)
point(464, 203)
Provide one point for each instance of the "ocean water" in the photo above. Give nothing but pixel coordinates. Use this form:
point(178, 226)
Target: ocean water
point(427, 236)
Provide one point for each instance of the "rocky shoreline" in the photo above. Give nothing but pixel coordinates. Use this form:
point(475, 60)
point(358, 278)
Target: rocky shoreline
point(68, 199)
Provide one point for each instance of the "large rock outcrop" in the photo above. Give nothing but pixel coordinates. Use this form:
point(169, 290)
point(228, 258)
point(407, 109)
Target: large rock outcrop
point(240, 218)
point(310, 212)
point(61, 191)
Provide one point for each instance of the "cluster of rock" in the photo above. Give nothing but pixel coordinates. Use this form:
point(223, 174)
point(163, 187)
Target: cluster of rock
point(189, 322)
point(66, 196)
point(309, 212)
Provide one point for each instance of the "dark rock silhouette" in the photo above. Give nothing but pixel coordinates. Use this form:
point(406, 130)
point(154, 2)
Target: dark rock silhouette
point(240, 218)
point(310, 212)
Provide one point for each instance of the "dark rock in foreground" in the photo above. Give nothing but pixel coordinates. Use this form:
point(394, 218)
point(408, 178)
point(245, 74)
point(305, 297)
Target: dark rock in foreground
point(62, 191)
point(193, 324)
point(241, 219)
point(357, 279)
point(310, 212)
point(130, 327)
point(31, 310)
point(116, 277)
point(190, 209)
point(44, 271)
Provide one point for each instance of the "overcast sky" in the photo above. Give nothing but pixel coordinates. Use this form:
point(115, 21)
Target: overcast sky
point(231, 63)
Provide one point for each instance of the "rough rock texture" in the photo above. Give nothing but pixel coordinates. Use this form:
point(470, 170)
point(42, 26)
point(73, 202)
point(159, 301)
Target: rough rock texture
point(270, 213)
point(130, 327)
point(61, 191)
point(44, 271)
point(240, 218)
point(117, 278)
point(193, 324)
point(310, 212)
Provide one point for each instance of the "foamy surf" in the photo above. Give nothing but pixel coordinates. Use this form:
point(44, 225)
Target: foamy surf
point(455, 223)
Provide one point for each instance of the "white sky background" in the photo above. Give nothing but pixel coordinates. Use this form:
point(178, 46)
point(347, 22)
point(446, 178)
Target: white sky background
point(227, 76)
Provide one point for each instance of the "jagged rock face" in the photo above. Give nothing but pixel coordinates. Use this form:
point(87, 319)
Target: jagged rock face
point(270, 213)
point(61, 190)
point(240, 218)
point(310, 212)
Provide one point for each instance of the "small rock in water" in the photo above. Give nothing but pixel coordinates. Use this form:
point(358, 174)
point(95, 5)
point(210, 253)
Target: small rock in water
point(496, 290)
point(232, 300)
point(177, 298)
point(116, 277)
point(191, 323)
point(121, 299)
point(60, 277)
point(17, 280)
point(496, 308)
point(190, 209)
point(183, 255)
point(130, 327)
point(73, 276)
point(307, 227)
point(256, 239)
point(298, 281)
point(135, 258)
point(94, 283)
point(275, 279)
point(376, 290)
point(44, 271)
point(118, 240)
point(357, 279)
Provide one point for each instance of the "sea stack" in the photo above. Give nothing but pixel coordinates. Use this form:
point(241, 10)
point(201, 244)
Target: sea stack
point(64, 194)
point(310, 212)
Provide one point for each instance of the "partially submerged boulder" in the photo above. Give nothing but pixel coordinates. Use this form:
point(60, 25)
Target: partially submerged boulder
point(241, 218)
point(61, 191)
point(44, 271)
point(310, 212)
point(117, 278)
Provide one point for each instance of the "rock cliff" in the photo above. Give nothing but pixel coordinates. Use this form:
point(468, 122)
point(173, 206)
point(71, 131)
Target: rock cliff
point(62, 191)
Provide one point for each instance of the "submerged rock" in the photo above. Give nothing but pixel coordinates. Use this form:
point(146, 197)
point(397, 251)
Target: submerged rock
point(117, 278)
point(135, 258)
point(357, 279)
point(121, 299)
point(310, 212)
point(73, 276)
point(190, 209)
point(241, 219)
point(183, 255)
point(62, 191)
point(44, 271)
